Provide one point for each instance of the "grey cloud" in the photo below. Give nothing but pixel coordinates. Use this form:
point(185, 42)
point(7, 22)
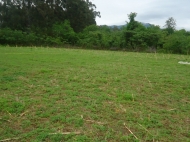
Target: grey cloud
point(150, 11)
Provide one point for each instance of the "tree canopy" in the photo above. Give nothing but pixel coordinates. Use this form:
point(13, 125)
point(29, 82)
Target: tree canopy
point(42, 14)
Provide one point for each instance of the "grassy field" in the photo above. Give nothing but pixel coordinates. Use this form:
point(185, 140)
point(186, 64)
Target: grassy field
point(53, 94)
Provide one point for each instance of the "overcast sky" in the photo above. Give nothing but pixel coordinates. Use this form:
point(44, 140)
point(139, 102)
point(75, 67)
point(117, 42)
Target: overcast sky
point(114, 12)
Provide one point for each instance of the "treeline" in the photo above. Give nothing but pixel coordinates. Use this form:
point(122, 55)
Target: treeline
point(39, 15)
point(61, 22)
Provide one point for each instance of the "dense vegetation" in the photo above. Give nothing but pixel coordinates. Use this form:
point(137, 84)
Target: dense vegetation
point(60, 22)
point(75, 95)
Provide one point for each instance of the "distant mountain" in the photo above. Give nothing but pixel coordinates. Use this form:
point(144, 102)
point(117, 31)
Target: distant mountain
point(146, 24)
point(120, 26)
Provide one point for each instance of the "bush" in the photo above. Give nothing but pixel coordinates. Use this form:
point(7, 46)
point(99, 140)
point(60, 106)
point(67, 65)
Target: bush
point(177, 43)
point(16, 37)
point(64, 32)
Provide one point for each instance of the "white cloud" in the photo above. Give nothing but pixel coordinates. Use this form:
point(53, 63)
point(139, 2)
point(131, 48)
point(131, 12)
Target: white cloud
point(148, 11)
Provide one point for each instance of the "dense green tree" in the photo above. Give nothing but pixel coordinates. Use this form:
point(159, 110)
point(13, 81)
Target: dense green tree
point(133, 32)
point(81, 13)
point(40, 15)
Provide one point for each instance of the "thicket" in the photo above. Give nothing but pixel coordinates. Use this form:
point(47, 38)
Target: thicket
point(59, 23)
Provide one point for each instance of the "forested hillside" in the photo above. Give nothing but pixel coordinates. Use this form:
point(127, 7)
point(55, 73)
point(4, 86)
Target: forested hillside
point(72, 22)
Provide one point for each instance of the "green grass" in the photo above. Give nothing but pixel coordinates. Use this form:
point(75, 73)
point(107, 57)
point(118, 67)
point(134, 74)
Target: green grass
point(93, 93)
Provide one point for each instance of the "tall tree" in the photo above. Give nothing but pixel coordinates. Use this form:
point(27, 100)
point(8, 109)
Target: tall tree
point(132, 24)
point(170, 25)
point(81, 13)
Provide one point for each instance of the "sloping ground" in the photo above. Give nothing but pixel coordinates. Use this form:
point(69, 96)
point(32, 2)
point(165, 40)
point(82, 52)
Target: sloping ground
point(82, 95)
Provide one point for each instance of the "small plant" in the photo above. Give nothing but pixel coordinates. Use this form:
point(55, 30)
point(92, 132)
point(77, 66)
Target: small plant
point(125, 97)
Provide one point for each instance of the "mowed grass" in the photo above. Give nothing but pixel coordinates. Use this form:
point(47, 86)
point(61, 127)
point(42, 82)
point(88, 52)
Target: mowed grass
point(53, 94)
